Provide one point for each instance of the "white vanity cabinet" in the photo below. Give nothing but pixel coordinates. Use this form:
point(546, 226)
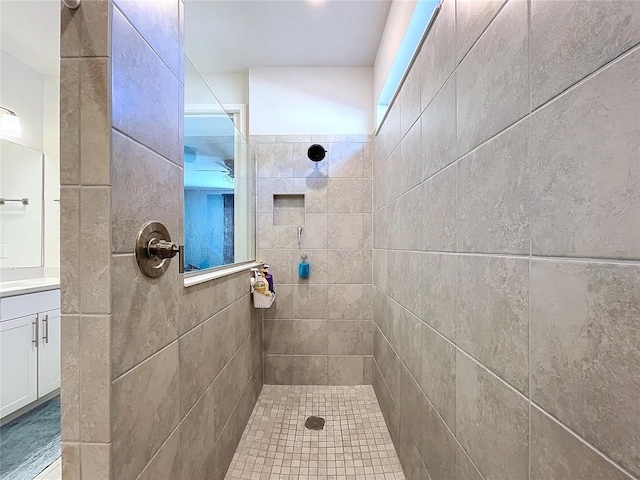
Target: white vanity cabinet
point(49, 352)
point(18, 364)
point(29, 348)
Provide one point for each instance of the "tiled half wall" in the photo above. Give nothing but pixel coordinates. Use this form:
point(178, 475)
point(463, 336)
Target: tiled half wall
point(158, 380)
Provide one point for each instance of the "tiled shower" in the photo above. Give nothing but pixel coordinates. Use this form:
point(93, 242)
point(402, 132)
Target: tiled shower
point(319, 331)
point(476, 260)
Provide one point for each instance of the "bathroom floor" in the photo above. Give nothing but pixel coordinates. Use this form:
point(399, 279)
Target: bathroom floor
point(354, 443)
point(30, 444)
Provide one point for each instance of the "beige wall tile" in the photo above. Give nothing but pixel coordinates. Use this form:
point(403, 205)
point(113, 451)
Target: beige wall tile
point(408, 170)
point(70, 381)
point(464, 466)
point(389, 364)
point(161, 199)
point(345, 302)
point(282, 236)
point(345, 230)
point(439, 206)
point(439, 447)
point(438, 373)
point(69, 118)
point(224, 335)
point(268, 187)
point(409, 455)
point(345, 159)
point(94, 27)
point(310, 301)
point(278, 336)
point(472, 18)
point(197, 438)
point(200, 302)
point(368, 367)
point(229, 385)
point(346, 370)
point(493, 315)
point(493, 80)
point(139, 73)
point(492, 422)
point(94, 251)
point(309, 370)
point(493, 195)
point(278, 370)
point(558, 453)
point(570, 40)
point(149, 394)
point(197, 370)
point(69, 250)
point(95, 461)
point(409, 341)
point(145, 312)
point(439, 130)
point(345, 195)
point(70, 461)
point(345, 338)
point(309, 337)
point(410, 106)
point(95, 378)
point(315, 193)
point(345, 266)
point(389, 409)
point(283, 305)
point(275, 160)
point(165, 465)
point(437, 55)
point(159, 25)
point(584, 146)
point(95, 121)
point(411, 405)
point(439, 292)
point(584, 319)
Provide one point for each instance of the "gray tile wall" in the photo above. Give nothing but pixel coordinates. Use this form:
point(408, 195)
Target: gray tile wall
point(319, 331)
point(506, 245)
point(158, 380)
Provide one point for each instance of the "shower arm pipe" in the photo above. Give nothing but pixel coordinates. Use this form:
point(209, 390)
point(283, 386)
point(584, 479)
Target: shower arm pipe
point(72, 4)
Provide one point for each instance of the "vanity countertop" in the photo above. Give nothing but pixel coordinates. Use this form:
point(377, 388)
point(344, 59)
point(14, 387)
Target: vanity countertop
point(33, 285)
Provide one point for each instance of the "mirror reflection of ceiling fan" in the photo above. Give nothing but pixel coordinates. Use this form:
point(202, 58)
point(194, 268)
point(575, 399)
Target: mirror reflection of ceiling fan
point(226, 167)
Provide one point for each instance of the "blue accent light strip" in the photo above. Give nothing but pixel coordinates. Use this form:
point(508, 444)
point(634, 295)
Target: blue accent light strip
point(415, 30)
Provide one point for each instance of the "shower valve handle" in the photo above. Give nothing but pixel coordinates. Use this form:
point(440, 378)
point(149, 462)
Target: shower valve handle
point(154, 250)
point(162, 248)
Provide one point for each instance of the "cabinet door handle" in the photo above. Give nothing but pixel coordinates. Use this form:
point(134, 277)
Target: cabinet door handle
point(45, 323)
point(35, 331)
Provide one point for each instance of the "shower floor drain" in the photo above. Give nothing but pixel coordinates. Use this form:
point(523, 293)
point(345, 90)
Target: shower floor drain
point(314, 423)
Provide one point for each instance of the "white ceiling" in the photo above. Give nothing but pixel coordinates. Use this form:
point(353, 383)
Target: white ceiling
point(227, 36)
point(224, 36)
point(30, 31)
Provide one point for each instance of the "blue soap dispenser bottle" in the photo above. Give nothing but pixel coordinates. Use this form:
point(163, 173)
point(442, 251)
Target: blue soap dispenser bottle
point(303, 268)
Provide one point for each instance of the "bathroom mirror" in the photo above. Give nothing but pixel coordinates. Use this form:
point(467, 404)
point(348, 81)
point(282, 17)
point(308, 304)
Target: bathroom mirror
point(21, 206)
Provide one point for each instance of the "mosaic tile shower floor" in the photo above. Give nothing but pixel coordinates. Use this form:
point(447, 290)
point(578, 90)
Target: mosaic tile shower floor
point(354, 444)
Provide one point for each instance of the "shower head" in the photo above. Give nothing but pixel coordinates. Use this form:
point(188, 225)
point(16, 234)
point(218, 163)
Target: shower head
point(316, 153)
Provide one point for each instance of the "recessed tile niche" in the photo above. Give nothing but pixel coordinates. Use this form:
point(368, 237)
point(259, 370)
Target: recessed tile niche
point(288, 209)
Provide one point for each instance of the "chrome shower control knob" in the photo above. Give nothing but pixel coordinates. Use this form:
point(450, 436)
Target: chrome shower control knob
point(162, 248)
point(154, 250)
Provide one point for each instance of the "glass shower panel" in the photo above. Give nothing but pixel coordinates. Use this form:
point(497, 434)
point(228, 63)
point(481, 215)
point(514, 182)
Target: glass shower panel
point(219, 181)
